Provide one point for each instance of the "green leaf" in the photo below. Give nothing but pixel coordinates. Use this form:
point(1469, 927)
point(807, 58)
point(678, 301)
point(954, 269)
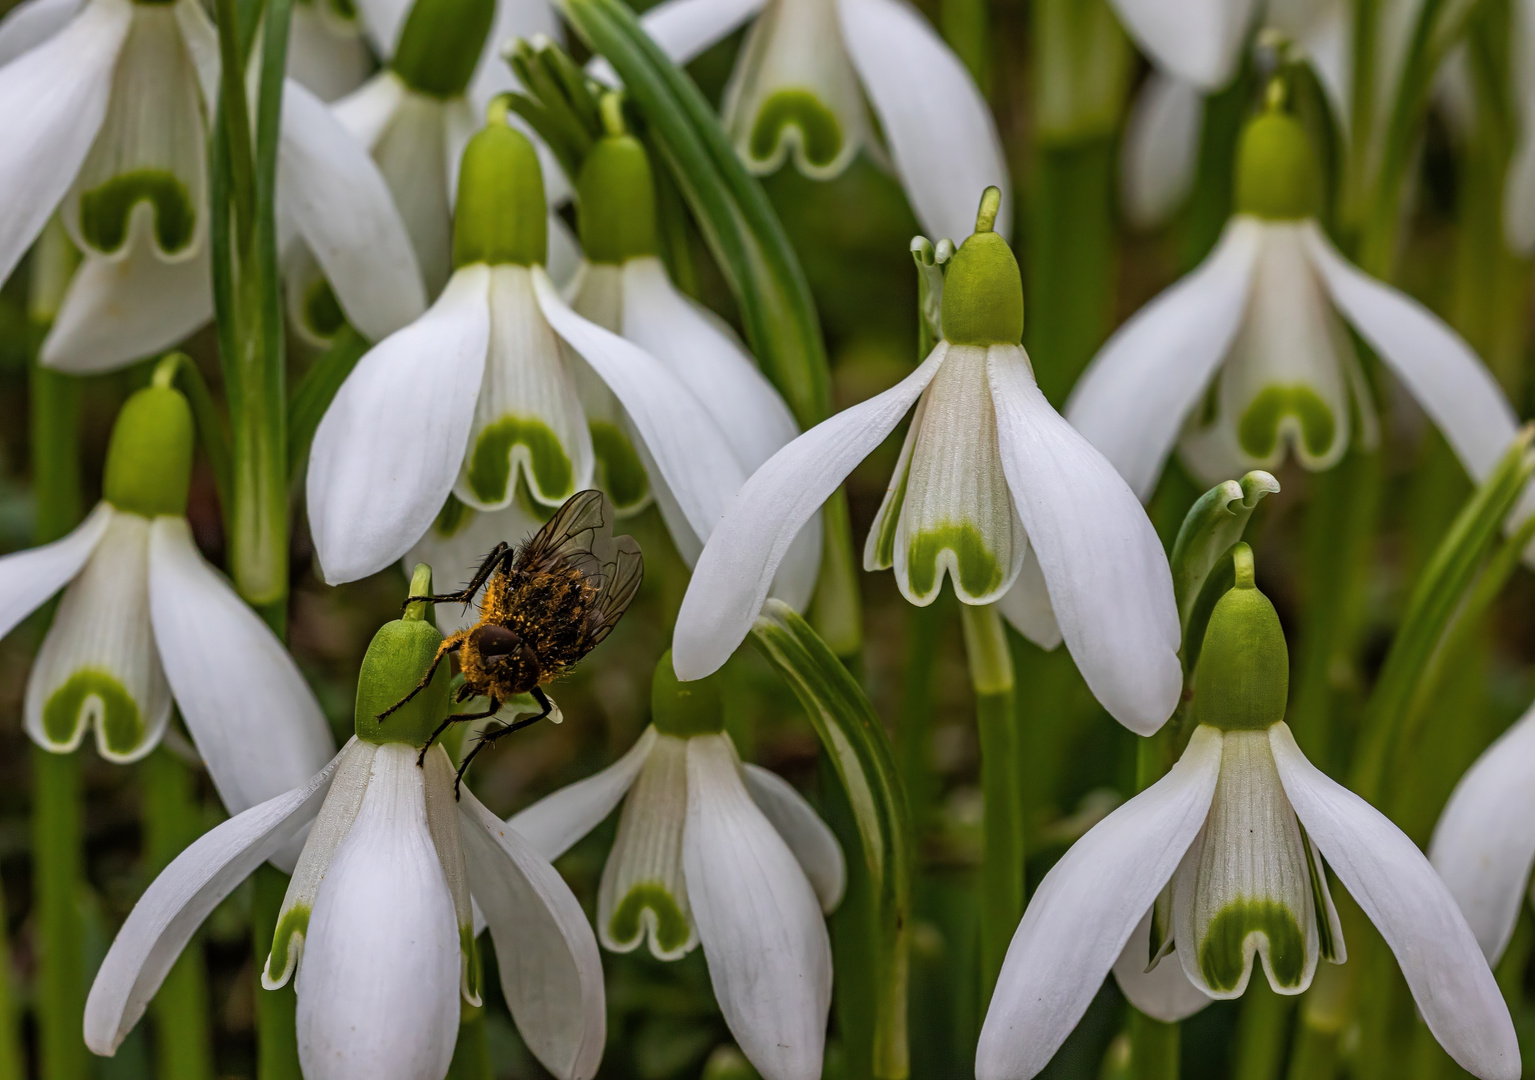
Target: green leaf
point(1213, 524)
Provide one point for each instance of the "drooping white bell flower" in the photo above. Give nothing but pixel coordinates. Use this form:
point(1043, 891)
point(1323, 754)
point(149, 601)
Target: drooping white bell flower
point(1239, 828)
point(112, 113)
point(992, 489)
point(715, 852)
point(1247, 360)
point(377, 928)
point(145, 621)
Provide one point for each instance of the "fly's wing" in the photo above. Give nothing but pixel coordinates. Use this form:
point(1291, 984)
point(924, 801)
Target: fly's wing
point(567, 538)
point(620, 579)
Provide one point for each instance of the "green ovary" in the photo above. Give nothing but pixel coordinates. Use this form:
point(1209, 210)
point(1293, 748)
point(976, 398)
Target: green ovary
point(490, 466)
point(978, 570)
point(1220, 954)
point(104, 210)
point(671, 927)
point(295, 921)
point(820, 134)
point(121, 725)
point(623, 474)
point(1258, 430)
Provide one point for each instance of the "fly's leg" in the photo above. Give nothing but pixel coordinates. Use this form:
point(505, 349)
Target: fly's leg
point(491, 736)
point(456, 718)
point(502, 554)
point(451, 645)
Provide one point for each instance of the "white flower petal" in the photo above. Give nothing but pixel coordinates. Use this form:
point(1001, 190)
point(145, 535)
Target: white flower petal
point(761, 927)
point(330, 60)
point(382, 21)
point(176, 903)
point(1164, 993)
point(737, 566)
point(30, 577)
point(256, 723)
point(1083, 912)
point(1391, 880)
point(367, 111)
point(557, 821)
point(1132, 399)
point(378, 984)
point(1199, 40)
point(442, 820)
point(32, 22)
point(1109, 584)
point(685, 28)
point(811, 839)
point(528, 19)
point(1160, 152)
point(417, 151)
point(388, 449)
point(200, 38)
point(936, 123)
point(879, 545)
point(551, 973)
point(341, 205)
point(1484, 842)
point(456, 544)
point(1026, 606)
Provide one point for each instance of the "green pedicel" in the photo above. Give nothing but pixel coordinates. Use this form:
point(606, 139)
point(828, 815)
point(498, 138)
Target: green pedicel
point(1277, 175)
point(982, 286)
point(684, 709)
point(617, 195)
point(501, 217)
point(149, 458)
point(396, 660)
point(1243, 678)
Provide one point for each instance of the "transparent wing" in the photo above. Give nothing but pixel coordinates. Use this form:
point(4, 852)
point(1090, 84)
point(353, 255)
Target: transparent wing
point(570, 535)
point(620, 579)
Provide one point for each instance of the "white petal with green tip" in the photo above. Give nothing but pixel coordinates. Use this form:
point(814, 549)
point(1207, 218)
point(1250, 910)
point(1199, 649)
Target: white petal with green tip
point(558, 820)
point(814, 845)
point(597, 295)
point(413, 154)
point(1163, 993)
point(879, 545)
point(442, 818)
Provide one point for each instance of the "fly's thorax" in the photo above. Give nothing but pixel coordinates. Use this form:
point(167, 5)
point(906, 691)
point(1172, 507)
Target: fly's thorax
point(1277, 174)
point(498, 662)
point(440, 45)
point(982, 286)
point(1242, 681)
point(501, 216)
point(398, 658)
point(149, 459)
point(685, 709)
point(617, 195)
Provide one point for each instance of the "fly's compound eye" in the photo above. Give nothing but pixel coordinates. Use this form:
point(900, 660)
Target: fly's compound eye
point(493, 640)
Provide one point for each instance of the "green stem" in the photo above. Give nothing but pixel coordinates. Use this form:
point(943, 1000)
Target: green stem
point(57, 878)
point(471, 1054)
point(836, 611)
point(1155, 1047)
point(913, 744)
point(276, 1037)
point(12, 1065)
point(1261, 1032)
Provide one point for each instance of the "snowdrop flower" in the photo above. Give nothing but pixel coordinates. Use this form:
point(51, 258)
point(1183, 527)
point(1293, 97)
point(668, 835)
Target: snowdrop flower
point(377, 929)
point(715, 852)
point(1239, 828)
point(992, 489)
point(477, 398)
point(144, 621)
point(112, 113)
point(1246, 360)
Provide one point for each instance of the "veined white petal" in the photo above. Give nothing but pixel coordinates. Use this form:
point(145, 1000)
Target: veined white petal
point(1391, 880)
point(27, 578)
point(56, 96)
point(256, 724)
point(1435, 364)
point(1107, 575)
point(1082, 914)
point(937, 125)
point(343, 208)
point(879, 545)
point(330, 59)
point(1160, 151)
point(1164, 993)
point(98, 666)
point(381, 22)
point(551, 972)
point(388, 449)
point(1026, 606)
point(456, 544)
point(596, 294)
point(737, 566)
point(761, 927)
point(1484, 842)
point(442, 819)
point(414, 154)
point(558, 820)
point(32, 22)
point(378, 981)
point(528, 423)
point(368, 111)
point(814, 845)
point(176, 903)
point(1132, 400)
point(685, 28)
point(1198, 40)
point(957, 516)
point(349, 781)
point(201, 39)
point(643, 896)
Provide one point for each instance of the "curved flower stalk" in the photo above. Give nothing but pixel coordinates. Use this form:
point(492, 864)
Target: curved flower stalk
point(133, 191)
point(1225, 854)
point(715, 852)
point(1255, 333)
point(992, 489)
point(377, 928)
point(144, 621)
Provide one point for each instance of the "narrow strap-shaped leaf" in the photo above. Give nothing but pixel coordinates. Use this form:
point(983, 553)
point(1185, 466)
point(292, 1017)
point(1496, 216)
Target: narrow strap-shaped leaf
point(1215, 522)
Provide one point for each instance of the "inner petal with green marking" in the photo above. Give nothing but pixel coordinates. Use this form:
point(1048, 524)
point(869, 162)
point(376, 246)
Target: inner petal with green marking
point(93, 697)
point(287, 945)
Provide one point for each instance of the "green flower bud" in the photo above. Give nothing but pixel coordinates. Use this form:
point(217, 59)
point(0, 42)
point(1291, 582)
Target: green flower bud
point(617, 196)
point(1278, 176)
point(982, 288)
point(685, 709)
point(149, 460)
point(440, 45)
point(1243, 678)
point(501, 214)
point(398, 657)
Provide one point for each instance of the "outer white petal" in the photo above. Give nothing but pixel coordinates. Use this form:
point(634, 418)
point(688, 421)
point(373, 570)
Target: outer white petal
point(811, 839)
point(761, 927)
point(367, 111)
point(330, 59)
point(55, 97)
point(558, 820)
point(551, 972)
point(1083, 913)
point(176, 903)
point(381, 22)
point(378, 984)
point(685, 28)
point(32, 22)
point(389, 447)
point(256, 723)
point(27, 578)
point(737, 566)
point(1132, 399)
point(936, 123)
point(1199, 40)
point(1026, 606)
point(1164, 993)
point(341, 205)
point(1484, 843)
point(1109, 584)
point(1435, 364)
point(1391, 880)
point(1160, 152)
